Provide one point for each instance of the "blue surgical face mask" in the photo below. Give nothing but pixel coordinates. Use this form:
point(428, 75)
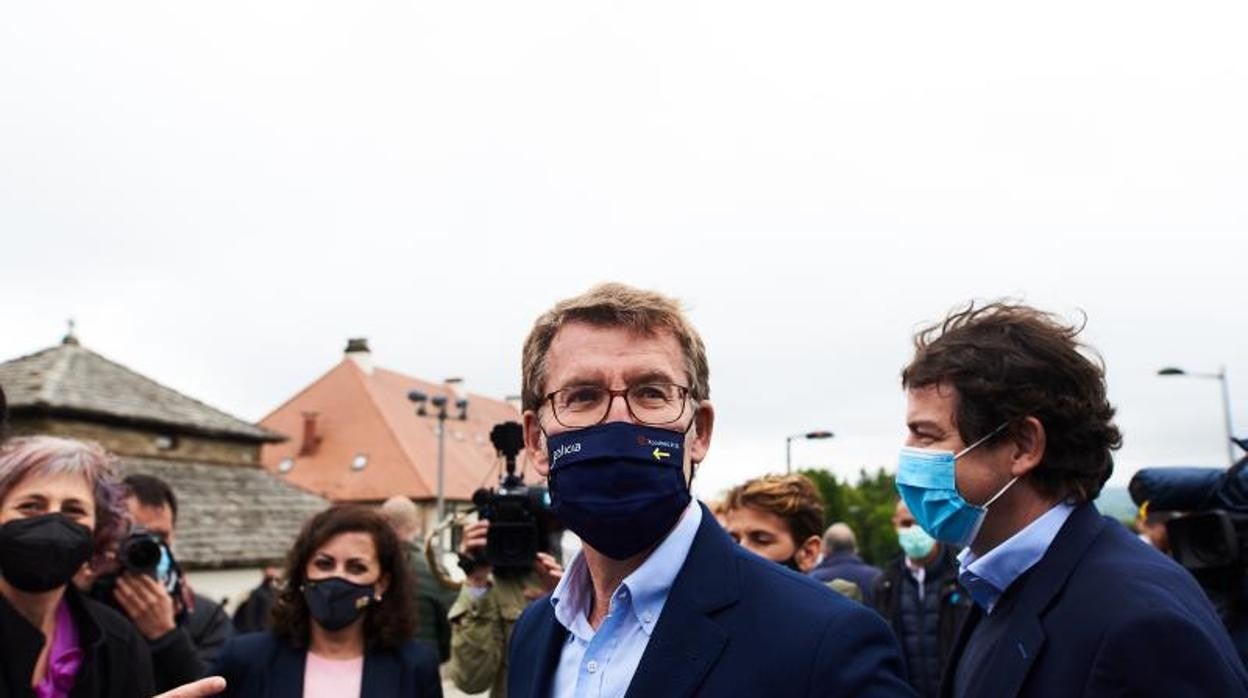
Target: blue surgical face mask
point(619, 486)
point(915, 542)
point(927, 482)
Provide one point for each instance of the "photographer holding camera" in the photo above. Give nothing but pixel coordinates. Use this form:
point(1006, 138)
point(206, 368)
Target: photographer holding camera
point(501, 554)
point(184, 630)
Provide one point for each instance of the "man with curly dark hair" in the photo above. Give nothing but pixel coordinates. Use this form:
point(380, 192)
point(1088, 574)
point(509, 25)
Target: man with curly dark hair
point(1011, 437)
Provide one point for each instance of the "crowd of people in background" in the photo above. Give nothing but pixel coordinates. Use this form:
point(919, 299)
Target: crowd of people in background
point(1004, 581)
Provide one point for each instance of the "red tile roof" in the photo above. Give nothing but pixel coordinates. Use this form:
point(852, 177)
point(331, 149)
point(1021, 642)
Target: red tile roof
point(368, 414)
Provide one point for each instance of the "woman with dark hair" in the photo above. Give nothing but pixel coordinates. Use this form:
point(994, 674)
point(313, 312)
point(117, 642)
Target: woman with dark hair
point(60, 509)
point(344, 622)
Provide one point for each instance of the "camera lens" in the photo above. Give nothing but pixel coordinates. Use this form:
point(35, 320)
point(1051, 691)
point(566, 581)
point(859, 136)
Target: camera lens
point(142, 553)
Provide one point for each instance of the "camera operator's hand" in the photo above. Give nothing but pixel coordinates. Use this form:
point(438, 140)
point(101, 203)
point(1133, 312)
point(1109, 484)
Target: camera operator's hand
point(146, 603)
point(473, 545)
point(548, 570)
point(210, 686)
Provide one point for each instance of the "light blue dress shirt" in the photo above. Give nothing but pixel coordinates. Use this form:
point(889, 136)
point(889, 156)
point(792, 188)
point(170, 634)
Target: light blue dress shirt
point(987, 577)
point(602, 663)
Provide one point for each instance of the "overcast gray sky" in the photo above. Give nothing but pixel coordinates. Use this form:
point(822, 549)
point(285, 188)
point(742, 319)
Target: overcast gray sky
point(221, 193)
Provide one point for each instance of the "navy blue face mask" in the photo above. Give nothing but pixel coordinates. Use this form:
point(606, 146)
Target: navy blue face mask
point(619, 486)
point(335, 602)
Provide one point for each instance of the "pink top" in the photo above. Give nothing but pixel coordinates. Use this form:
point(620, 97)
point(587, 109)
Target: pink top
point(64, 657)
point(332, 678)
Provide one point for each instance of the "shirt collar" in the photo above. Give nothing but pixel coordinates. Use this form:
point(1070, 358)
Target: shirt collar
point(986, 577)
point(648, 585)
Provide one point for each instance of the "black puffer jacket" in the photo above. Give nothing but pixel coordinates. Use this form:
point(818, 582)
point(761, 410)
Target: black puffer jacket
point(926, 628)
point(115, 660)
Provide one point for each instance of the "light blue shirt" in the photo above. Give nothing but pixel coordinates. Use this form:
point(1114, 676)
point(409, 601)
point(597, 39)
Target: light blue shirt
point(987, 577)
point(602, 663)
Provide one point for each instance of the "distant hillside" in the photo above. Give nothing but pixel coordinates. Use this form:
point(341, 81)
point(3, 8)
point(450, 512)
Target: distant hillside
point(1116, 502)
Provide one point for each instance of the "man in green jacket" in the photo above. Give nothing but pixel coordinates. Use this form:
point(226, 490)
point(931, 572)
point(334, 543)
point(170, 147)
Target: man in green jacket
point(433, 601)
point(485, 612)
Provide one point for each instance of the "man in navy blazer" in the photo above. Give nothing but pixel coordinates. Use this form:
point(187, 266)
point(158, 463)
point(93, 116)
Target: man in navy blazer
point(1010, 439)
point(661, 602)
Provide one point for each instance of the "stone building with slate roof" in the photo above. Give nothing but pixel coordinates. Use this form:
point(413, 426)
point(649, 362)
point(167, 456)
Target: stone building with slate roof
point(232, 513)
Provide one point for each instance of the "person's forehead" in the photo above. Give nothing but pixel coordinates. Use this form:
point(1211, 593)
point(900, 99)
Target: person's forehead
point(580, 351)
point(748, 518)
point(54, 485)
point(348, 545)
point(934, 404)
point(150, 516)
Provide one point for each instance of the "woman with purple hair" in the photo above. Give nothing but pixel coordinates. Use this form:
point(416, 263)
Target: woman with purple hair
point(60, 510)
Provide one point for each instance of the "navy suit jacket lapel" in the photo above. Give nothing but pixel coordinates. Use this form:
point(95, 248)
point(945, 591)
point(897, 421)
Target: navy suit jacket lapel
point(286, 672)
point(1012, 659)
point(686, 641)
point(548, 641)
point(959, 645)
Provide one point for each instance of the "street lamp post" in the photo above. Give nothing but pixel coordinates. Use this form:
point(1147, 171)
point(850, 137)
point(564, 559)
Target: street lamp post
point(788, 445)
point(439, 403)
point(1220, 376)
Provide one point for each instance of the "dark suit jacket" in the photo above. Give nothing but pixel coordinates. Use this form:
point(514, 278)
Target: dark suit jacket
point(258, 665)
point(734, 625)
point(1103, 614)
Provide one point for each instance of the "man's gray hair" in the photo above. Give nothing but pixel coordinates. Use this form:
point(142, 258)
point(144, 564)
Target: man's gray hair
point(403, 516)
point(839, 538)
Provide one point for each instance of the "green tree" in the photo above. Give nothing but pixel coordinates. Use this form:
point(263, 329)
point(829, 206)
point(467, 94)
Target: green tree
point(867, 506)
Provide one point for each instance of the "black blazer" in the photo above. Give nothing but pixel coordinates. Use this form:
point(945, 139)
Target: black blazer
point(734, 625)
point(115, 660)
point(258, 665)
point(1103, 614)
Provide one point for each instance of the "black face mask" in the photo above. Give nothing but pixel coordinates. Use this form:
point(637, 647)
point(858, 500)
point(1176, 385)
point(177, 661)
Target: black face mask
point(42, 553)
point(791, 563)
point(336, 603)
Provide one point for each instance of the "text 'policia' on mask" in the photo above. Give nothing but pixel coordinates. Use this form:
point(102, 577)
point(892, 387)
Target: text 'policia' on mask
point(927, 482)
point(619, 486)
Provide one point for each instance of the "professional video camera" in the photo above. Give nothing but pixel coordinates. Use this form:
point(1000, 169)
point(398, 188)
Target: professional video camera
point(1209, 534)
point(519, 515)
point(143, 552)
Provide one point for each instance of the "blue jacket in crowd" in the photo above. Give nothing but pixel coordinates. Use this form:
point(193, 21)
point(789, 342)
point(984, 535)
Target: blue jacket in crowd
point(926, 624)
point(734, 625)
point(850, 567)
point(1101, 614)
point(259, 665)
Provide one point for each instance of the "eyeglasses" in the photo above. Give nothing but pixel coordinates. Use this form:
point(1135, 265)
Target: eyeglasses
point(654, 404)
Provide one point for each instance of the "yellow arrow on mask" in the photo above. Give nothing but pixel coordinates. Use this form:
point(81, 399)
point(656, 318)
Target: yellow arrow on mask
point(660, 455)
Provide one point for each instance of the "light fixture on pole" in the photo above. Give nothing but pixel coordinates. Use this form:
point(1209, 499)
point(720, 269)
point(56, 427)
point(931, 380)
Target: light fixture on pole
point(788, 445)
point(1220, 376)
point(439, 403)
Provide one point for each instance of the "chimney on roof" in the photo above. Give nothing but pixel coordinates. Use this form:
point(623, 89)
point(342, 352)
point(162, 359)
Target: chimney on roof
point(456, 386)
point(357, 351)
point(70, 338)
point(311, 439)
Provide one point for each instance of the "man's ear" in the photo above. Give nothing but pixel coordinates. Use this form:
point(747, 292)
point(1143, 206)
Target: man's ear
point(808, 553)
point(535, 443)
point(1027, 446)
point(703, 425)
